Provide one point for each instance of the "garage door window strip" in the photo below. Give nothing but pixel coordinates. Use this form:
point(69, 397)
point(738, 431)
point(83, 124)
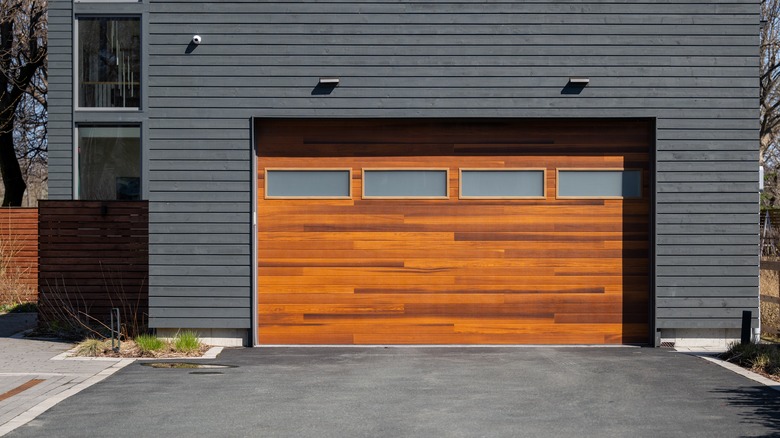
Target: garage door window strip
point(406, 183)
point(503, 183)
point(308, 183)
point(599, 183)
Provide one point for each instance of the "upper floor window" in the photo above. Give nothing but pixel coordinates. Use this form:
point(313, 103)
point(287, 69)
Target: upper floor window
point(109, 62)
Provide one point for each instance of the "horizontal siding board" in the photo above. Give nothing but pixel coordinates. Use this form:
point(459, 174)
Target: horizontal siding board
point(201, 280)
point(682, 281)
point(733, 311)
point(203, 238)
point(205, 302)
point(199, 207)
point(464, 7)
point(190, 196)
point(210, 270)
point(708, 292)
point(482, 60)
point(433, 18)
point(202, 249)
point(713, 260)
point(354, 46)
point(713, 218)
point(474, 88)
point(707, 322)
point(204, 322)
point(670, 85)
point(212, 26)
point(705, 271)
point(708, 239)
point(704, 250)
point(204, 177)
point(706, 302)
point(162, 261)
point(707, 208)
point(509, 69)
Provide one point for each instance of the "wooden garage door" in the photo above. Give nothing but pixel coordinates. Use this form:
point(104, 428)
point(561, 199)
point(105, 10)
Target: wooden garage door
point(539, 270)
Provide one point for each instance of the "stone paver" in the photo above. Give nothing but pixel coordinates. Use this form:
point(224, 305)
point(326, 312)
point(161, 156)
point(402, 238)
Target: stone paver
point(22, 360)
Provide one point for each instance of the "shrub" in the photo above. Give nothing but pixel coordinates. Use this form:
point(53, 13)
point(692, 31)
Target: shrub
point(186, 342)
point(149, 343)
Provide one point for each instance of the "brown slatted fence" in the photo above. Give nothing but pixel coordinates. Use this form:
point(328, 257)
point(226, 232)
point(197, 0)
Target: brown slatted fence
point(18, 254)
point(94, 256)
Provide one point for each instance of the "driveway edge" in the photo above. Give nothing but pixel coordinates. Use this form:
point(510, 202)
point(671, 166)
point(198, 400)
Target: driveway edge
point(743, 372)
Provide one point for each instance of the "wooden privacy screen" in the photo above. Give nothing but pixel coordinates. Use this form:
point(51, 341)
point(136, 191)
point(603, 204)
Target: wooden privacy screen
point(18, 254)
point(94, 255)
point(453, 271)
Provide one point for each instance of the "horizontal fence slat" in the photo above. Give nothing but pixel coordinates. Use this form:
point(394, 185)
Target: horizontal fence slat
point(18, 254)
point(94, 256)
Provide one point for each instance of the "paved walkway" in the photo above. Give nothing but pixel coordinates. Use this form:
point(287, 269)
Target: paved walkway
point(30, 381)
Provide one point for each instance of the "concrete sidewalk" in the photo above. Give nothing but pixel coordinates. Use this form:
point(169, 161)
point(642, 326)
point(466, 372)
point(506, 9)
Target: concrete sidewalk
point(30, 381)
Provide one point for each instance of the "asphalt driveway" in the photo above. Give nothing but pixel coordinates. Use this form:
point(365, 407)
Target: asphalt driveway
point(423, 392)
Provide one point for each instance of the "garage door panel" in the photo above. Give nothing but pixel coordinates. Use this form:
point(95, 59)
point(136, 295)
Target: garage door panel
point(494, 271)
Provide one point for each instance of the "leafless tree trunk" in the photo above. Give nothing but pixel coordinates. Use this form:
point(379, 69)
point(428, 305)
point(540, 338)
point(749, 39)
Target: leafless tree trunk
point(23, 88)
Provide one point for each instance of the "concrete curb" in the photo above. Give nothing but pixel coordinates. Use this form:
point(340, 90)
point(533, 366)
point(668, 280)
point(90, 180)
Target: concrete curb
point(742, 372)
point(46, 404)
point(211, 353)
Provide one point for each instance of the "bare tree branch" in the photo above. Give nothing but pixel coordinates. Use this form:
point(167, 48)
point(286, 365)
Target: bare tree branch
point(23, 96)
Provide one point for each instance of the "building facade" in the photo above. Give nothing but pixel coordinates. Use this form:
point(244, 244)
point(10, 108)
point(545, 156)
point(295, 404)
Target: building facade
point(438, 172)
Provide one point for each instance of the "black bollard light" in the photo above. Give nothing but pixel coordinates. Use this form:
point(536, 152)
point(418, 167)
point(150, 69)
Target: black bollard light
point(747, 315)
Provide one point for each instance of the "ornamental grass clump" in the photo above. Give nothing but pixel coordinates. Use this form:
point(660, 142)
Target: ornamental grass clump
point(186, 342)
point(149, 343)
point(91, 347)
point(761, 358)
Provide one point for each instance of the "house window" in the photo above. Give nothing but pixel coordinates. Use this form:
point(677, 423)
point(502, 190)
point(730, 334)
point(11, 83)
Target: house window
point(599, 183)
point(405, 183)
point(109, 62)
point(502, 183)
point(308, 183)
point(109, 162)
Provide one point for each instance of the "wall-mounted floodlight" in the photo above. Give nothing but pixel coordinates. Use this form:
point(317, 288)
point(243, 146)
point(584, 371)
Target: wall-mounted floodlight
point(579, 81)
point(196, 39)
point(329, 82)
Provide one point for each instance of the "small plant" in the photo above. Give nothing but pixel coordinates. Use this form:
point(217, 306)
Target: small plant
point(149, 343)
point(91, 347)
point(186, 342)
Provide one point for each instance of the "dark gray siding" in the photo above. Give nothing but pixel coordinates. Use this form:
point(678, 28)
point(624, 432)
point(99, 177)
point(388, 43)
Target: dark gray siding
point(60, 126)
point(691, 65)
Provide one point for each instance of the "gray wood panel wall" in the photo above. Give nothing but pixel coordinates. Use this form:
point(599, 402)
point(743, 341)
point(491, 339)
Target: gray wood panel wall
point(690, 64)
point(60, 105)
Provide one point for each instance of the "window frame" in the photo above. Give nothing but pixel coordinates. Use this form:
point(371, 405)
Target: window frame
point(502, 169)
point(77, 107)
point(76, 162)
point(598, 169)
point(446, 171)
point(304, 169)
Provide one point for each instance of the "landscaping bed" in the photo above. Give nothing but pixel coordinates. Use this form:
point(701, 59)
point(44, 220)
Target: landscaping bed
point(763, 359)
point(185, 344)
